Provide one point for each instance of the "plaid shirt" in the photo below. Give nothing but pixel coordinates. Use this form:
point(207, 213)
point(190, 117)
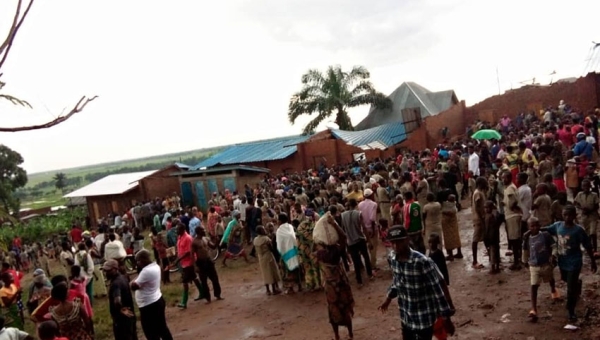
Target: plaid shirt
point(417, 285)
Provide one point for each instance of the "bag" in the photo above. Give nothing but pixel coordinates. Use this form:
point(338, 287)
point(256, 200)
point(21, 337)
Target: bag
point(324, 232)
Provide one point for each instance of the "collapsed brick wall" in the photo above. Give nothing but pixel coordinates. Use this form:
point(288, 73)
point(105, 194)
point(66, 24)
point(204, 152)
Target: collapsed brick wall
point(583, 95)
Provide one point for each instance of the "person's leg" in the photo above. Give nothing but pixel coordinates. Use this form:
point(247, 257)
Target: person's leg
point(205, 293)
point(572, 278)
point(214, 278)
point(89, 290)
point(148, 319)
point(161, 320)
point(409, 334)
point(336, 331)
point(474, 249)
point(373, 250)
point(362, 247)
point(355, 254)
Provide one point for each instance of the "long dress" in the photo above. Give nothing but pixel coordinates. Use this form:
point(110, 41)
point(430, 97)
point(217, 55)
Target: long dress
point(234, 244)
point(450, 226)
point(71, 325)
point(312, 275)
point(433, 219)
point(268, 266)
point(340, 301)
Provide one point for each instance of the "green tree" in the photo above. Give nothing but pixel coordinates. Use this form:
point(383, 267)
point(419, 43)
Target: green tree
point(12, 177)
point(60, 181)
point(333, 93)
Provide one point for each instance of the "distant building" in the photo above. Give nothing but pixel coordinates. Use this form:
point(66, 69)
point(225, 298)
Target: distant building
point(119, 192)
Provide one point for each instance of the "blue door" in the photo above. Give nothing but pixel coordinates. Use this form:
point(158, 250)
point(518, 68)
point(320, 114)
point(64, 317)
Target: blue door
point(212, 186)
point(229, 183)
point(201, 196)
point(187, 196)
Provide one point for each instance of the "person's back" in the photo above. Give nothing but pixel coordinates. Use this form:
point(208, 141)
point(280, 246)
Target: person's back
point(351, 225)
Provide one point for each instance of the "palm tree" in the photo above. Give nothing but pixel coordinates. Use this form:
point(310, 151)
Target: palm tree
point(333, 93)
point(60, 180)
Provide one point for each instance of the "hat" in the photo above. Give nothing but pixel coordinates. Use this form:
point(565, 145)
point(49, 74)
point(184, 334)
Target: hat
point(110, 264)
point(86, 234)
point(368, 192)
point(39, 276)
point(396, 233)
point(235, 212)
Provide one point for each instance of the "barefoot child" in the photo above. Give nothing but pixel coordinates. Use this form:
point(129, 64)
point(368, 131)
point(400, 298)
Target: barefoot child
point(491, 236)
point(538, 250)
point(437, 255)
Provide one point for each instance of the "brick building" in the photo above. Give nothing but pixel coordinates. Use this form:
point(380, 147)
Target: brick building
point(118, 193)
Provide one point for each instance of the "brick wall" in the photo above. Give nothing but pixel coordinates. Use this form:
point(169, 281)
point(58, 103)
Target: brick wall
point(100, 206)
point(453, 118)
point(161, 183)
point(583, 94)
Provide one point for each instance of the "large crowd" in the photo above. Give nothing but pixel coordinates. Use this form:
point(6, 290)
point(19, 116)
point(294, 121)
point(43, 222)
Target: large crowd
point(538, 178)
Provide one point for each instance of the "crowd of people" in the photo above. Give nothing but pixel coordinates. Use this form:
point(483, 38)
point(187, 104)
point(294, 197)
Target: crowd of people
point(538, 179)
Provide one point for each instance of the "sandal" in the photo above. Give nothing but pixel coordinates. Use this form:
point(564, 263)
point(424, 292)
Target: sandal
point(533, 316)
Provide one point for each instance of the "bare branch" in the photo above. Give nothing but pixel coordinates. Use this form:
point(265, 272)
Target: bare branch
point(12, 33)
point(61, 119)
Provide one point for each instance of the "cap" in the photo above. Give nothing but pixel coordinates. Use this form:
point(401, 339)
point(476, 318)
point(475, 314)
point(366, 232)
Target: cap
point(396, 233)
point(368, 192)
point(110, 264)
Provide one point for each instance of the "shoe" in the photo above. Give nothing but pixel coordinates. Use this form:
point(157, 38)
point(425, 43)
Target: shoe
point(200, 297)
point(458, 256)
point(180, 306)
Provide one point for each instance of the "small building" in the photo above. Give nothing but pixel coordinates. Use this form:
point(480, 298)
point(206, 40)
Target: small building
point(198, 185)
point(119, 192)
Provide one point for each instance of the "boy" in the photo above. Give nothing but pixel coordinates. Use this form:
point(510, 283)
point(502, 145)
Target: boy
point(570, 258)
point(541, 204)
point(587, 208)
point(538, 252)
point(491, 236)
point(471, 184)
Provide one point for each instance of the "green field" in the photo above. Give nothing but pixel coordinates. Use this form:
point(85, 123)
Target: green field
point(44, 196)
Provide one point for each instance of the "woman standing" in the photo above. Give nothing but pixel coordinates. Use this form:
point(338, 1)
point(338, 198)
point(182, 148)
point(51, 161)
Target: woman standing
point(268, 266)
point(312, 275)
point(340, 301)
point(72, 320)
point(39, 290)
point(9, 295)
point(287, 246)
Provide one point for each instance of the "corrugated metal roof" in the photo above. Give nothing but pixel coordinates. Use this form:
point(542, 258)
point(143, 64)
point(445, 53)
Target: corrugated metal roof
point(111, 184)
point(258, 151)
point(409, 95)
point(384, 135)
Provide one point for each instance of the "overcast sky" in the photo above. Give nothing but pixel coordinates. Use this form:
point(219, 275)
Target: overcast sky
point(181, 75)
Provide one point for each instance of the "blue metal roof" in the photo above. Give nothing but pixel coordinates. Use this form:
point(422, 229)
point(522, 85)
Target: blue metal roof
point(387, 134)
point(258, 151)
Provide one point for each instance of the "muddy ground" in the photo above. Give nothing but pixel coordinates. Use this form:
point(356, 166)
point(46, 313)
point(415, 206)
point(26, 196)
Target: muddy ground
point(481, 300)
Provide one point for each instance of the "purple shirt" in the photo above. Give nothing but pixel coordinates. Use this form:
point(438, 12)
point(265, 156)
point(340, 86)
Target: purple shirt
point(368, 210)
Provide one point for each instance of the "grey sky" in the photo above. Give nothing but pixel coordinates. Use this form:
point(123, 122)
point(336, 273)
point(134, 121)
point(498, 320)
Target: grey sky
point(199, 74)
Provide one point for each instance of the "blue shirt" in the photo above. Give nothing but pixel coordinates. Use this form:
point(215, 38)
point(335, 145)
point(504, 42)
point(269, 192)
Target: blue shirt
point(540, 248)
point(583, 148)
point(194, 222)
point(569, 243)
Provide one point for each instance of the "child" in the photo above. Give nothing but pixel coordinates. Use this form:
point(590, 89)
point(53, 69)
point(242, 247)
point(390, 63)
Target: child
point(558, 205)
point(48, 330)
point(572, 176)
point(541, 204)
point(491, 235)
point(437, 255)
point(383, 232)
point(220, 229)
point(587, 203)
point(538, 252)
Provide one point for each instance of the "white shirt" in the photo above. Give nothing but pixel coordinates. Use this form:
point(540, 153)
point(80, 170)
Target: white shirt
point(87, 269)
point(11, 333)
point(474, 164)
point(114, 250)
point(525, 201)
point(149, 283)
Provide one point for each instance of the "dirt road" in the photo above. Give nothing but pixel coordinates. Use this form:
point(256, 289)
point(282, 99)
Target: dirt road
point(481, 301)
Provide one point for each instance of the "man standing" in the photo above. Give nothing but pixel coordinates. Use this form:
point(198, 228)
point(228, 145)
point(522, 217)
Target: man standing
point(120, 303)
point(149, 298)
point(420, 288)
point(353, 226)
point(383, 199)
point(206, 267)
point(368, 211)
point(194, 222)
point(513, 214)
point(413, 221)
point(473, 164)
point(186, 259)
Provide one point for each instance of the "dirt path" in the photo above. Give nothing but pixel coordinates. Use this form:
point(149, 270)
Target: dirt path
point(481, 301)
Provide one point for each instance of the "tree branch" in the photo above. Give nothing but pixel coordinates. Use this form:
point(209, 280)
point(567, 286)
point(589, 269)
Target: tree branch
point(61, 119)
point(12, 33)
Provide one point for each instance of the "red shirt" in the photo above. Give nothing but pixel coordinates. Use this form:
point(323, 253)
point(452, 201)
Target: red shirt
point(184, 245)
point(17, 276)
point(76, 235)
point(17, 242)
point(43, 309)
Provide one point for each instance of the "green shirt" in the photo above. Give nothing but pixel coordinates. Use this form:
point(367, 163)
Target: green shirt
point(413, 217)
point(156, 223)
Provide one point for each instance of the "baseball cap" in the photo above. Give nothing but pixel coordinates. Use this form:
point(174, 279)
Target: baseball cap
point(396, 233)
point(110, 264)
point(368, 192)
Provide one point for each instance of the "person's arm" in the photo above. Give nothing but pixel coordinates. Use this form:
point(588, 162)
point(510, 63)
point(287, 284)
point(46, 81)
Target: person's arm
point(587, 245)
point(42, 309)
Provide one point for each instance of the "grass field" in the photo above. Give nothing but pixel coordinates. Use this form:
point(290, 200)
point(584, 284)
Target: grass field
point(53, 197)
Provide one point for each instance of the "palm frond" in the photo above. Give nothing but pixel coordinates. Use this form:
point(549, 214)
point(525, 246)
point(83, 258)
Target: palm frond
point(300, 107)
point(15, 100)
point(313, 124)
point(314, 77)
point(362, 87)
point(375, 98)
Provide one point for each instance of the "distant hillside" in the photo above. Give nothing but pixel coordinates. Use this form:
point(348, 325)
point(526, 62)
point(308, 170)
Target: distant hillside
point(41, 191)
